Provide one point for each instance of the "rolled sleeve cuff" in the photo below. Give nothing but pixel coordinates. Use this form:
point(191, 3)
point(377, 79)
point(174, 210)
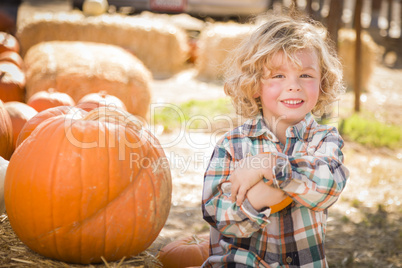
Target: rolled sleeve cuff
point(259, 217)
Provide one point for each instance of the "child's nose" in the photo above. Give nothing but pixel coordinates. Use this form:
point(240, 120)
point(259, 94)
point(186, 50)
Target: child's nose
point(294, 85)
point(294, 89)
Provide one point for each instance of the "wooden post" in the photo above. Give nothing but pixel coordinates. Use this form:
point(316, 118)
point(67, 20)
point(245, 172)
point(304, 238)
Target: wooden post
point(357, 74)
point(390, 6)
point(309, 10)
point(334, 20)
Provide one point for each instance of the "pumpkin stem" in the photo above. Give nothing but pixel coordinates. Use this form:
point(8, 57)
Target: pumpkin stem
point(102, 93)
point(196, 240)
point(116, 116)
point(2, 74)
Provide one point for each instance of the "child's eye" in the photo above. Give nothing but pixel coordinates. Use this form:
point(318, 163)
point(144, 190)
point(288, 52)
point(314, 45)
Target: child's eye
point(305, 76)
point(278, 76)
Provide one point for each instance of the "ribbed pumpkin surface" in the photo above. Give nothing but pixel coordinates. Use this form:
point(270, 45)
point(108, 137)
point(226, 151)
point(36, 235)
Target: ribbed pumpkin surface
point(33, 123)
point(77, 190)
point(187, 252)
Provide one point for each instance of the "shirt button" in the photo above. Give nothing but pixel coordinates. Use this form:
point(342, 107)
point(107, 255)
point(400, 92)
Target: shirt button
point(270, 136)
point(289, 259)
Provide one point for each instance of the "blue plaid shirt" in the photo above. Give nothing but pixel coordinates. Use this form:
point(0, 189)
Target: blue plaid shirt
point(309, 168)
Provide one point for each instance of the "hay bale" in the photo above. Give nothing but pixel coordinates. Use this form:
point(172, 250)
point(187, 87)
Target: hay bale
point(214, 44)
point(160, 45)
point(80, 68)
point(182, 20)
point(346, 51)
point(191, 25)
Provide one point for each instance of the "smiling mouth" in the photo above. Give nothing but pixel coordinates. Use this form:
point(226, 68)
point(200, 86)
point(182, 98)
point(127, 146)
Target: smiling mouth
point(292, 102)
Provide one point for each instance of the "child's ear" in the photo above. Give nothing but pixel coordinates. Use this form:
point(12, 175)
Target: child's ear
point(256, 95)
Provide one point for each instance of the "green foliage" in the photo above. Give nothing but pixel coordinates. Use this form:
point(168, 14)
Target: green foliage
point(345, 219)
point(371, 132)
point(194, 114)
point(356, 203)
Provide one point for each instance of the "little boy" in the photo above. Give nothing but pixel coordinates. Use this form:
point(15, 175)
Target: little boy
point(279, 76)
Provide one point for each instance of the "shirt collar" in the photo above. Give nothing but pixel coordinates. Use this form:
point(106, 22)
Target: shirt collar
point(257, 127)
point(302, 129)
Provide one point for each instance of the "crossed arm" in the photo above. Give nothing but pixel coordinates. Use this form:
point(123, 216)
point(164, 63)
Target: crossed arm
point(314, 181)
point(247, 181)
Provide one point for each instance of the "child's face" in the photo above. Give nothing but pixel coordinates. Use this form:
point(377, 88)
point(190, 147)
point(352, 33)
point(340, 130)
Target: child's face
point(288, 91)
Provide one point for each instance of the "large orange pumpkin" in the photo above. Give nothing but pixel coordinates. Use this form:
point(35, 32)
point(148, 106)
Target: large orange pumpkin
point(32, 123)
point(50, 98)
point(77, 190)
point(186, 252)
point(12, 82)
point(19, 113)
point(6, 133)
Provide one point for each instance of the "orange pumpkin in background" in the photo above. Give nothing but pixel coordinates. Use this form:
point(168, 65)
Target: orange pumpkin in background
point(8, 42)
point(6, 133)
point(12, 82)
point(33, 123)
point(50, 98)
point(12, 57)
point(100, 99)
point(186, 252)
point(83, 190)
point(19, 113)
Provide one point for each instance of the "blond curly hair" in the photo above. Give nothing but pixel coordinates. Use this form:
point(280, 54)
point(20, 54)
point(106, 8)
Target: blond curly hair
point(287, 34)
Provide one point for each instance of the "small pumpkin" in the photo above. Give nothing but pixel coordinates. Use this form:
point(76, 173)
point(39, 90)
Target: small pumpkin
point(6, 133)
point(3, 169)
point(90, 189)
point(32, 124)
point(100, 99)
point(8, 42)
point(13, 57)
point(186, 252)
point(50, 98)
point(19, 113)
point(12, 82)
point(281, 205)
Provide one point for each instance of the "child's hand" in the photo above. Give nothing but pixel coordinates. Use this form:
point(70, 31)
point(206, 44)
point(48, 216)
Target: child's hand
point(263, 195)
point(249, 171)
